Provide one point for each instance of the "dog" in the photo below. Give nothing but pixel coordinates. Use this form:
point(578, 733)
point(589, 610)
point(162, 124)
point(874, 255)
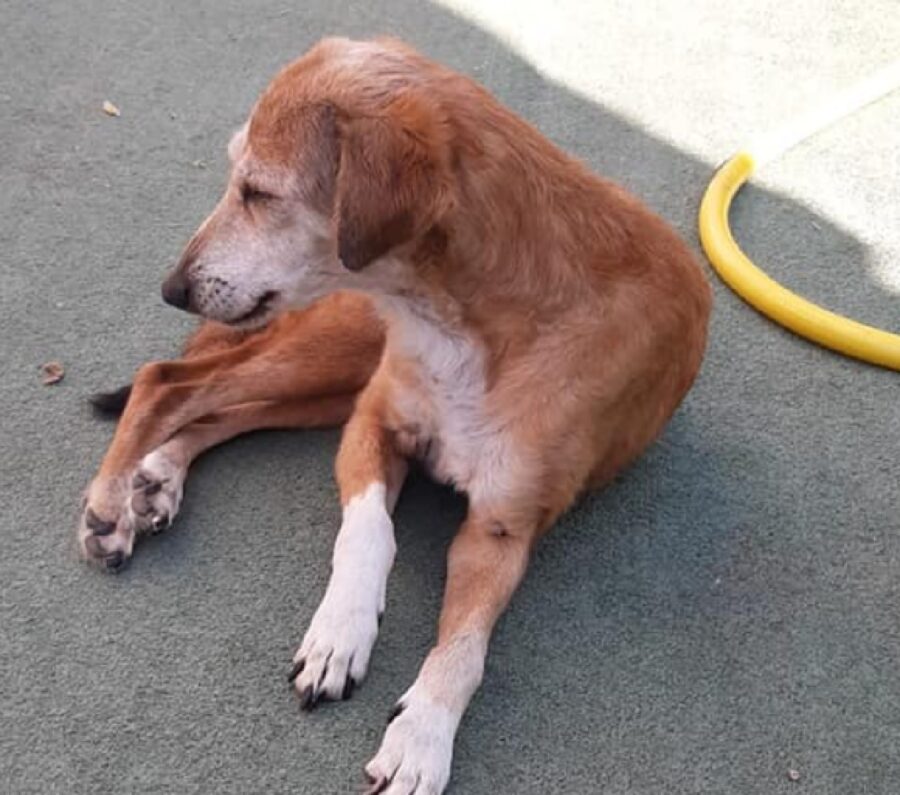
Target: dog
point(397, 251)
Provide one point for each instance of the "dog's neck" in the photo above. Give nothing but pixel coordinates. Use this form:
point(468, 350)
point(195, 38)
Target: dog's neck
point(430, 329)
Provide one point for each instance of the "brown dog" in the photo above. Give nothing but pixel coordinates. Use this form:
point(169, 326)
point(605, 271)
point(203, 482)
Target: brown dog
point(484, 303)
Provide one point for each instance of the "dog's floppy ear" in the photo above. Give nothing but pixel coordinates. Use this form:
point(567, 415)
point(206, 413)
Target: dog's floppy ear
point(391, 182)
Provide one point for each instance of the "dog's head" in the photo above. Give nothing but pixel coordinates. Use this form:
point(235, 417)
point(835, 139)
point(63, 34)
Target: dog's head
point(344, 161)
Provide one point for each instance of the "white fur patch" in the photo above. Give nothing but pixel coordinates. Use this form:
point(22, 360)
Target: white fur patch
point(469, 450)
point(343, 630)
point(365, 547)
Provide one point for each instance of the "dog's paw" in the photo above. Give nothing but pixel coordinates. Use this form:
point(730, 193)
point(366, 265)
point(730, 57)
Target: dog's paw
point(334, 655)
point(157, 489)
point(105, 529)
point(416, 751)
point(117, 509)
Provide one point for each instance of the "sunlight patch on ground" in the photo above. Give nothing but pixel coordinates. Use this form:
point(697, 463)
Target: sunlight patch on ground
point(657, 64)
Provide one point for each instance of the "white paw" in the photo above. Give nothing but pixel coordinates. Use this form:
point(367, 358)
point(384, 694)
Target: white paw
point(116, 509)
point(417, 749)
point(334, 655)
point(157, 489)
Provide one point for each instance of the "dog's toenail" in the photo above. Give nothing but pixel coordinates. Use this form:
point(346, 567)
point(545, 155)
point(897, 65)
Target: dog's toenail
point(307, 698)
point(349, 686)
point(96, 525)
point(115, 560)
point(296, 670)
point(379, 784)
point(398, 708)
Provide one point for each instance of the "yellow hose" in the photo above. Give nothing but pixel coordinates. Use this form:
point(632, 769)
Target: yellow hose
point(766, 295)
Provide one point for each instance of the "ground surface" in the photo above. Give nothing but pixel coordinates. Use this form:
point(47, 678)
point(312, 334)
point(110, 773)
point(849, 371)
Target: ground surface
point(727, 612)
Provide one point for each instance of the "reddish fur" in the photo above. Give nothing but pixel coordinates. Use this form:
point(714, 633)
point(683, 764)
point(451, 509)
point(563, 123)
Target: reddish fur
point(569, 281)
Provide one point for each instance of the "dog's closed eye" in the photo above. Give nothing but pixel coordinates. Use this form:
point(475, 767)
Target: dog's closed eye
point(250, 194)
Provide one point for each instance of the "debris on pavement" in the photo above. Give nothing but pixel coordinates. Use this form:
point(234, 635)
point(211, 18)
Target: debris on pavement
point(793, 775)
point(53, 373)
point(109, 109)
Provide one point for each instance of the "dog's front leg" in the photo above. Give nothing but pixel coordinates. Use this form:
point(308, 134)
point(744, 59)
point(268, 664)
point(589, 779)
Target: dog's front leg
point(322, 353)
point(158, 484)
point(486, 562)
point(165, 397)
point(334, 654)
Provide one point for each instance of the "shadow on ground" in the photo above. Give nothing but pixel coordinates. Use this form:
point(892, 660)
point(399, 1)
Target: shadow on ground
point(726, 611)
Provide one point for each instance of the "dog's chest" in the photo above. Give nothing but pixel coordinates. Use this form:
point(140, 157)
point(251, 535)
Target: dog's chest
point(438, 403)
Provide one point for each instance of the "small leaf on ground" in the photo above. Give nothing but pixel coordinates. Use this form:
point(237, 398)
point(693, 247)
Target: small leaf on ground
point(53, 373)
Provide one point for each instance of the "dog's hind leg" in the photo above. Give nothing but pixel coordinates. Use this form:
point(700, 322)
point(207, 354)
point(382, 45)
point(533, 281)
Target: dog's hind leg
point(209, 337)
point(328, 350)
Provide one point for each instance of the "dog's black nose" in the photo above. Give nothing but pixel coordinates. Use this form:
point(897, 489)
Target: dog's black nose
point(176, 290)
